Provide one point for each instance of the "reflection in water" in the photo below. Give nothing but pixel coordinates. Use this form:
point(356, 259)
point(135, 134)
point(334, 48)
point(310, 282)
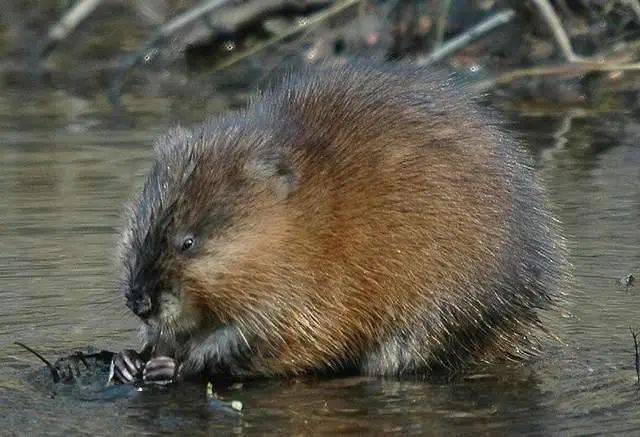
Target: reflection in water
point(66, 169)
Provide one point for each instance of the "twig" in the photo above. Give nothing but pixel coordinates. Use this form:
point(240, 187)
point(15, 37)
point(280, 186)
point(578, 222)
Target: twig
point(67, 24)
point(555, 70)
point(54, 372)
point(311, 22)
point(253, 12)
point(189, 17)
point(550, 16)
point(460, 41)
point(156, 39)
point(635, 344)
point(441, 23)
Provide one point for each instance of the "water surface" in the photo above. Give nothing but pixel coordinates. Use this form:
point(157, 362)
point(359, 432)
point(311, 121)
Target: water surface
point(66, 167)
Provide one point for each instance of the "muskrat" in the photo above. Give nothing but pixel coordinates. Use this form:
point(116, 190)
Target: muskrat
point(366, 219)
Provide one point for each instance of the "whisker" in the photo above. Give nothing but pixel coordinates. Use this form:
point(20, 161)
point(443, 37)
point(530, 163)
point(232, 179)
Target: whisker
point(243, 337)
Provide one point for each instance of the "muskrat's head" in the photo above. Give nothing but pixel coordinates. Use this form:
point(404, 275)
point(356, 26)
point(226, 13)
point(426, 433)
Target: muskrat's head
point(213, 195)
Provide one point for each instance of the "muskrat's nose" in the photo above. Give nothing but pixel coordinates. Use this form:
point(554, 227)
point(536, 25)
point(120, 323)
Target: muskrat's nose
point(139, 304)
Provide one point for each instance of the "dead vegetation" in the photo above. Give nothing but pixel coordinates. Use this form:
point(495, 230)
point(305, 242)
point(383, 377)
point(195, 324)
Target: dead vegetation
point(496, 42)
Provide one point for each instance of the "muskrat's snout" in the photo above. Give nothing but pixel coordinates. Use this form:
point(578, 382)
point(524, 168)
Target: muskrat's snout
point(139, 302)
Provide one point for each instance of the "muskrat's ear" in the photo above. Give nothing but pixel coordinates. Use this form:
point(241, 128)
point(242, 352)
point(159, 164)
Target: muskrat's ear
point(276, 171)
point(176, 139)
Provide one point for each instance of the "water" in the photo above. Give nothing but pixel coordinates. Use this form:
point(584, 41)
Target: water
point(68, 164)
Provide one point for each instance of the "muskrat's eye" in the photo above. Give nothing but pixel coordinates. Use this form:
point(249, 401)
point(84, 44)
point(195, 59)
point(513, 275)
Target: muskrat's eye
point(187, 243)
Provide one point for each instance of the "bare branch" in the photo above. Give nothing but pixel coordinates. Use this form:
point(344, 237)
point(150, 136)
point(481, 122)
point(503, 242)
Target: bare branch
point(313, 21)
point(189, 17)
point(67, 24)
point(570, 69)
point(156, 39)
point(461, 41)
point(441, 23)
point(553, 21)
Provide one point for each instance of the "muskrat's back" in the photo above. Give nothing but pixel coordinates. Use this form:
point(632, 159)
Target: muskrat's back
point(351, 218)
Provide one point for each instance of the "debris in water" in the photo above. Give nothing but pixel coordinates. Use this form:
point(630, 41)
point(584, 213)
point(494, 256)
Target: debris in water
point(217, 402)
point(78, 364)
point(635, 343)
point(627, 281)
point(55, 376)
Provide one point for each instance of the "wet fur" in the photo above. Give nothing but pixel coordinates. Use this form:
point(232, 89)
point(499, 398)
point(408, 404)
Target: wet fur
point(352, 218)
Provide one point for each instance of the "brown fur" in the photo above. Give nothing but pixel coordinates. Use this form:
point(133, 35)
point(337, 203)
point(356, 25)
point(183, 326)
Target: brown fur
point(353, 218)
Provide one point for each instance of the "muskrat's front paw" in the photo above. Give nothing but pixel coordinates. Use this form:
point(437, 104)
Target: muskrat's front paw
point(160, 370)
point(127, 366)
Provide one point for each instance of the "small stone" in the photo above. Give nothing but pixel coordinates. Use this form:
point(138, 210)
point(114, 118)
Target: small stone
point(236, 405)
